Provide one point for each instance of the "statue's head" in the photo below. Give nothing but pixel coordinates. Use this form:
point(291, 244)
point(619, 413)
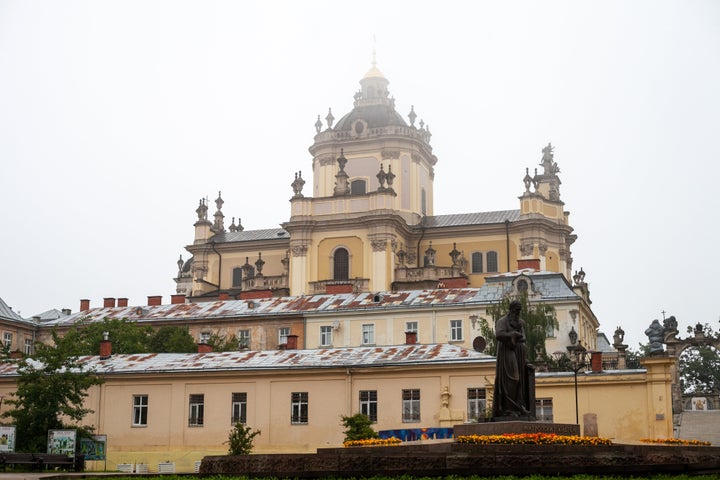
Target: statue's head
point(515, 306)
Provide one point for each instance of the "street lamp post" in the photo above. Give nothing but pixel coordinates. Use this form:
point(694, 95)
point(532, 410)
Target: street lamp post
point(578, 361)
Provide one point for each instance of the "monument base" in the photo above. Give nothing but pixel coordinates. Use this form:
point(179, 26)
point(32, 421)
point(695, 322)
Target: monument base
point(498, 428)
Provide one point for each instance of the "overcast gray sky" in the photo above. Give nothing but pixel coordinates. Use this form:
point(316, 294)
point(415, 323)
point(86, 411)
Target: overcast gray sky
point(116, 117)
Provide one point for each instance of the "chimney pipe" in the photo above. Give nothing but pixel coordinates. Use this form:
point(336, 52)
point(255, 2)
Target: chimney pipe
point(204, 348)
point(122, 302)
point(223, 296)
point(84, 305)
point(177, 299)
point(109, 302)
point(105, 346)
point(596, 362)
point(533, 263)
point(410, 338)
point(154, 300)
point(291, 342)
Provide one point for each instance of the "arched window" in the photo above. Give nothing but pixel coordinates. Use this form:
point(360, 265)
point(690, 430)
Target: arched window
point(358, 187)
point(492, 261)
point(341, 264)
point(477, 262)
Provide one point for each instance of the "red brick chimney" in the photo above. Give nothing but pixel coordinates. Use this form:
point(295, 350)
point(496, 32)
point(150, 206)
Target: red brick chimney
point(410, 338)
point(291, 342)
point(223, 296)
point(105, 346)
point(84, 305)
point(533, 263)
point(122, 302)
point(109, 302)
point(596, 362)
point(204, 348)
point(154, 300)
point(177, 299)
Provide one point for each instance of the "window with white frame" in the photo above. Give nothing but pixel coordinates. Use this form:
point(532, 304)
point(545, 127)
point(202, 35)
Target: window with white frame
point(204, 337)
point(28, 346)
point(368, 334)
point(550, 330)
point(140, 410)
point(544, 409)
point(243, 337)
point(456, 330)
point(283, 333)
point(368, 404)
point(411, 405)
point(238, 408)
point(475, 403)
point(7, 339)
point(325, 335)
point(411, 327)
point(299, 408)
point(197, 410)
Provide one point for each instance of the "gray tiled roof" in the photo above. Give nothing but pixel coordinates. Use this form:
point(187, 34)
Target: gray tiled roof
point(250, 360)
point(7, 313)
point(52, 314)
point(453, 220)
point(250, 235)
point(478, 218)
point(551, 286)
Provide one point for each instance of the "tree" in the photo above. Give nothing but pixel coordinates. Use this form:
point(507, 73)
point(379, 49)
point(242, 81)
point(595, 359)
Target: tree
point(358, 427)
point(539, 320)
point(126, 336)
point(50, 394)
point(240, 439)
point(699, 366)
point(172, 339)
point(222, 343)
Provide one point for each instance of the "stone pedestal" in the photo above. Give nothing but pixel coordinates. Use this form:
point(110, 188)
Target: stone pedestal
point(498, 428)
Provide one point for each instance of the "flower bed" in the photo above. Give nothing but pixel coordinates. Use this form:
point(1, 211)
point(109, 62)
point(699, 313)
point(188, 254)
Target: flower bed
point(676, 441)
point(532, 439)
point(373, 442)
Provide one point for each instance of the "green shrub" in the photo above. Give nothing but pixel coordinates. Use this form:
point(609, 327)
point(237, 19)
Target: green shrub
point(358, 427)
point(240, 439)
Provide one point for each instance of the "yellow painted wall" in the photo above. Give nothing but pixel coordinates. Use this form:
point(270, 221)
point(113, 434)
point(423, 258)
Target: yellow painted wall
point(629, 406)
point(326, 246)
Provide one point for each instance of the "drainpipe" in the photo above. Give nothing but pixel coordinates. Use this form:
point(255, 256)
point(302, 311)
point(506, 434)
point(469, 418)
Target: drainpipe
point(507, 242)
point(212, 244)
point(422, 234)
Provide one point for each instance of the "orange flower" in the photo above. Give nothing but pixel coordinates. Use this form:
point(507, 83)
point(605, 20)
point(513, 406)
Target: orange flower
point(532, 439)
point(676, 441)
point(373, 442)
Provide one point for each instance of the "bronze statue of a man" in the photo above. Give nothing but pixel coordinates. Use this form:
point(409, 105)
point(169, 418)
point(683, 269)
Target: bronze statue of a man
point(514, 377)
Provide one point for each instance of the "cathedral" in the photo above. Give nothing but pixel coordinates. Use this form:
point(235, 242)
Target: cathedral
point(368, 224)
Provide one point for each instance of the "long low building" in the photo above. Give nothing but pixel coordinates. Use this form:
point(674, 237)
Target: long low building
point(157, 408)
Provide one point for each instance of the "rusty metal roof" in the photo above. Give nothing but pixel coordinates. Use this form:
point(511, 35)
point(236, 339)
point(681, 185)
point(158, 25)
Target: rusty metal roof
point(353, 357)
point(552, 286)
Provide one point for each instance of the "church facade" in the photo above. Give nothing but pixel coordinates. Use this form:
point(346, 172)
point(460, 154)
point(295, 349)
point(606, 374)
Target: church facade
point(367, 225)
